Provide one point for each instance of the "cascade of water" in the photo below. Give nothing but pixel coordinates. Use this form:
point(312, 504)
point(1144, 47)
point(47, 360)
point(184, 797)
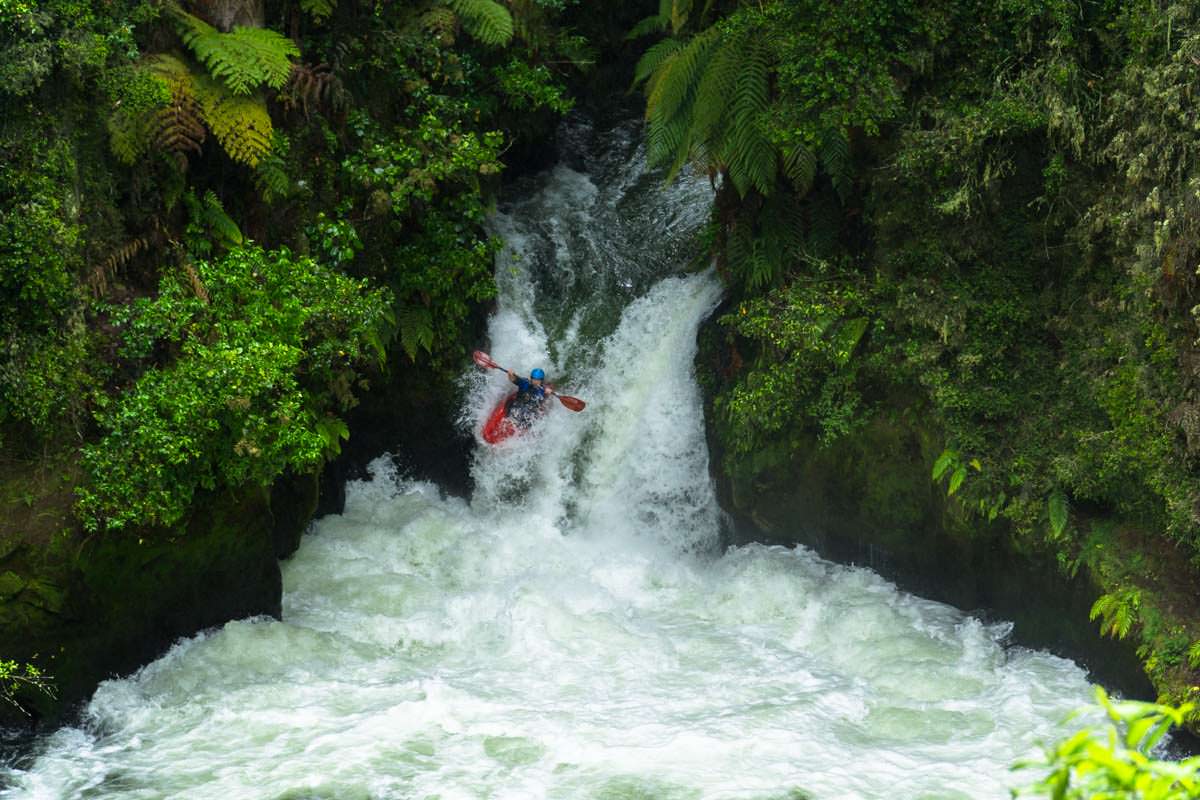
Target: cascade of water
point(570, 631)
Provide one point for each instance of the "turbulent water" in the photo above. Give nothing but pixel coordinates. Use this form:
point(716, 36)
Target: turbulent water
point(572, 630)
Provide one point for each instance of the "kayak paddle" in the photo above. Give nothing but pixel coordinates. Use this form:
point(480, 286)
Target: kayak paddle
point(485, 361)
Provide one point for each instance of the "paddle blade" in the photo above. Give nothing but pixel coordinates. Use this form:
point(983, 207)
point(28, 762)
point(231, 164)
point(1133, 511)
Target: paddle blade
point(484, 360)
point(573, 403)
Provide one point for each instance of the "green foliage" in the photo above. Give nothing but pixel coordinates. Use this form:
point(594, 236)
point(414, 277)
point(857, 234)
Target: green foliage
point(45, 350)
point(528, 87)
point(1193, 655)
point(77, 38)
point(1117, 611)
point(318, 9)
point(486, 20)
point(258, 359)
point(18, 680)
point(128, 321)
point(240, 123)
point(39, 237)
point(707, 97)
point(1015, 222)
point(1116, 761)
point(210, 227)
point(1058, 511)
point(243, 59)
point(809, 334)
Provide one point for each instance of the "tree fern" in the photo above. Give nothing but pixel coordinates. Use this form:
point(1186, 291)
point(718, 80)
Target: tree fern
point(752, 159)
point(241, 124)
point(708, 97)
point(486, 20)
point(244, 58)
point(653, 58)
point(176, 127)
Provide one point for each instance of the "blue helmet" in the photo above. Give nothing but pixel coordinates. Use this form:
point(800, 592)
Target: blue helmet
point(538, 375)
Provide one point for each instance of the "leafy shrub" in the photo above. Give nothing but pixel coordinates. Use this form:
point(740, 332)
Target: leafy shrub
point(243, 360)
point(1116, 761)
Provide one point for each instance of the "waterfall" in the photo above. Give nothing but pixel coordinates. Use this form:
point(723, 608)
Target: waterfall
point(572, 630)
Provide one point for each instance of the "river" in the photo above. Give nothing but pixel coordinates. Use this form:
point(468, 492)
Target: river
point(573, 629)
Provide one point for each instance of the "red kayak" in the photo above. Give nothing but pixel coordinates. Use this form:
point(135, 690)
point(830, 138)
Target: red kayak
point(501, 426)
point(498, 426)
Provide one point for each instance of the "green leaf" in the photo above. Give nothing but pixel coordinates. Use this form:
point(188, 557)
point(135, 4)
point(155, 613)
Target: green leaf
point(1056, 507)
point(956, 479)
point(943, 463)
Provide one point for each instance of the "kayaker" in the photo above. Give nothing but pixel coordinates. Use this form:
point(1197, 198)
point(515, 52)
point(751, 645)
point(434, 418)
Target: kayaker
point(531, 394)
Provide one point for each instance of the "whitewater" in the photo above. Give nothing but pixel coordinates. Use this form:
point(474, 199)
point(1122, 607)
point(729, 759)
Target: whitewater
point(573, 629)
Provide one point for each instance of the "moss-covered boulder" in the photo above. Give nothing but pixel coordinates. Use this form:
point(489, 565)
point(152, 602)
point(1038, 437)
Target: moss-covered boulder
point(83, 608)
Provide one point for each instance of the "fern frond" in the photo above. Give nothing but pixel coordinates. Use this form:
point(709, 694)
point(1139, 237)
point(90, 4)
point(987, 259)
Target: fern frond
point(179, 127)
point(1118, 612)
point(680, 11)
point(129, 134)
point(176, 127)
point(674, 82)
point(486, 20)
point(800, 165)
point(313, 86)
point(653, 58)
point(665, 140)
point(716, 89)
point(1058, 511)
point(320, 10)
point(835, 158)
point(101, 273)
point(738, 246)
point(416, 329)
point(752, 159)
point(655, 24)
point(242, 59)
point(272, 179)
point(241, 124)
point(782, 224)
point(224, 229)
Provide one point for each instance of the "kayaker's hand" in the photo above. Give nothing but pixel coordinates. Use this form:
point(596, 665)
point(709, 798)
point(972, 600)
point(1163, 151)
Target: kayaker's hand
point(512, 376)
